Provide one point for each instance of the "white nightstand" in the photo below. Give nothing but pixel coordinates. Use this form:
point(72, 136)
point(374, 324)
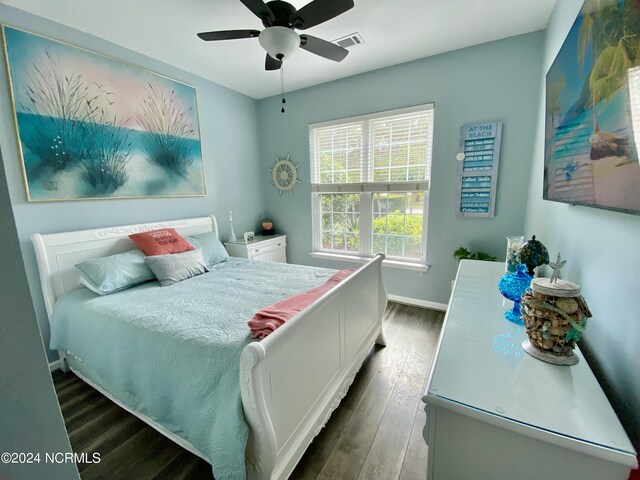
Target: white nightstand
point(266, 248)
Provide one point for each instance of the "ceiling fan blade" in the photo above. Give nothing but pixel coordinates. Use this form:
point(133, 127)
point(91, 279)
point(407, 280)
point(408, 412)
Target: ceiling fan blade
point(229, 35)
point(271, 63)
point(323, 48)
point(319, 11)
point(260, 10)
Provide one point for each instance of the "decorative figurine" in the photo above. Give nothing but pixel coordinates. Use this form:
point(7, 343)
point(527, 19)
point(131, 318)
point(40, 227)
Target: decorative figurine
point(512, 286)
point(533, 254)
point(267, 227)
point(556, 266)
point(232, 235)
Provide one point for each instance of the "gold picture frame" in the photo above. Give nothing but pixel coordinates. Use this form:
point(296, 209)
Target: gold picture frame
point(93, 127)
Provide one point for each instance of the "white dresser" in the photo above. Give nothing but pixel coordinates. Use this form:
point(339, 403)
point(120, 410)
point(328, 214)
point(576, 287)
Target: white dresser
point(266, 248)
point(494, 412)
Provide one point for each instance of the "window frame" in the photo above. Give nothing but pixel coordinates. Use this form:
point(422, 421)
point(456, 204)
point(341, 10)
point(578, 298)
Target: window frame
point(367, 189)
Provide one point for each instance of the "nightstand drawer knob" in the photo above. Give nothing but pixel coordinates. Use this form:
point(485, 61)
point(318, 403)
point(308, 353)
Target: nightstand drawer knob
point(257, 250)
point(279, 244)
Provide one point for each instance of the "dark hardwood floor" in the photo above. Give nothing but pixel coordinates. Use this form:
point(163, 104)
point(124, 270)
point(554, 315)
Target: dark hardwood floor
point(375, 433)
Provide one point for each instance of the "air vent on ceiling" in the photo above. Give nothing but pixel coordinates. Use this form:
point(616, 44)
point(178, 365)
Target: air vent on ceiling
point(350, 40)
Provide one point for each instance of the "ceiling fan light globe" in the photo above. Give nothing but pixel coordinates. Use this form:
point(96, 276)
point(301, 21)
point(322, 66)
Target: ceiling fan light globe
point(279, 42)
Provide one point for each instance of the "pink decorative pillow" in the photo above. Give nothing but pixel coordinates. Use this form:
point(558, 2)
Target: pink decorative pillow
point(161, 242)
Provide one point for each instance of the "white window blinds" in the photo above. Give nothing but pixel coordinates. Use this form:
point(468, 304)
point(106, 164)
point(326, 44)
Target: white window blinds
point(337, 154)
point(390, 151)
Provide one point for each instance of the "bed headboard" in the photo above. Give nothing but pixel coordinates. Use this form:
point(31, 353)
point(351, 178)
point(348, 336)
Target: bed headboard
point(58, 253)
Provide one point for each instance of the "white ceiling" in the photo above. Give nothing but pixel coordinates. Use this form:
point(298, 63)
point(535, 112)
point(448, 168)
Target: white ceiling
point(394, 31)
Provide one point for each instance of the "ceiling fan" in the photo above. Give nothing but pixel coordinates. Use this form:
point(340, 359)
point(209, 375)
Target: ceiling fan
point(280, 20)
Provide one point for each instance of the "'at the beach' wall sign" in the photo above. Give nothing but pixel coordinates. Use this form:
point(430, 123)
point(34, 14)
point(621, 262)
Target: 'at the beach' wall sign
point(92, 127)
point(478, 160)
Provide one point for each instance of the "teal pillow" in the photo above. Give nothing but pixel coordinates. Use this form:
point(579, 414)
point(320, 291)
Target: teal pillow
point(212, 250)
point(114, 273)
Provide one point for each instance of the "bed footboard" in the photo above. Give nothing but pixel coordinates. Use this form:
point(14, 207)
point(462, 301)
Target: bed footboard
point(293, 380)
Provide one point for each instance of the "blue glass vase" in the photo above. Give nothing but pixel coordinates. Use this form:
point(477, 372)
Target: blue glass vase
point(512, 286)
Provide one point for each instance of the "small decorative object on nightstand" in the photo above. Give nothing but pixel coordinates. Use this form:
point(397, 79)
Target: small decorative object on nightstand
point(232, 235)
point(270, 248)
point(267, 226)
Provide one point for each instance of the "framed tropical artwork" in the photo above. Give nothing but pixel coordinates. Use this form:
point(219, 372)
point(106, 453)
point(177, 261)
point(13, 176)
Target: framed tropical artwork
point(593, 110)
point(92, 127)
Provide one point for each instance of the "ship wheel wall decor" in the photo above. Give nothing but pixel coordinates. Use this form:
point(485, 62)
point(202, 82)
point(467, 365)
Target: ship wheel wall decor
point(284, 175)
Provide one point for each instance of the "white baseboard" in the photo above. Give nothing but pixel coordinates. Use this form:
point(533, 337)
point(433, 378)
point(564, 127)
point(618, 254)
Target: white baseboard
point(418, 303)
point(55, 365)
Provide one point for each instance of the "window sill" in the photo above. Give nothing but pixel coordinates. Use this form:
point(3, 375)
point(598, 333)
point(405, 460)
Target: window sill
point(419, 267)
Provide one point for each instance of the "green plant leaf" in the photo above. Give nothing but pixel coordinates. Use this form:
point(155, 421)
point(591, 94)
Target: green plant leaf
point(609, 71)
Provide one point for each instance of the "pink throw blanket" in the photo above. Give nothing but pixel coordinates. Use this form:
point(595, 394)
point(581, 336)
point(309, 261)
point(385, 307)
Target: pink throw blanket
point(268, 319)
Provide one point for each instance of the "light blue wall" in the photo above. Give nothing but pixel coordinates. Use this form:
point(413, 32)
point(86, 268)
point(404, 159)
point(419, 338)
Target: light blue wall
point(228, 130)
point(494, 81)
point(30, 417)
point(601, 248)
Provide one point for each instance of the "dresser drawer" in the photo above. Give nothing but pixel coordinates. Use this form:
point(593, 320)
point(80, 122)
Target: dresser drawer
point(266, 249)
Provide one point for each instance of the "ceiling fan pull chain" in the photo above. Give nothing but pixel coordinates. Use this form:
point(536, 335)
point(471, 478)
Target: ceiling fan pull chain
point(282, 86)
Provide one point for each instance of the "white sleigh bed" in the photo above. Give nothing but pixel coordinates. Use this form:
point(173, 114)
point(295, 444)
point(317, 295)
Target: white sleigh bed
point(291, 381)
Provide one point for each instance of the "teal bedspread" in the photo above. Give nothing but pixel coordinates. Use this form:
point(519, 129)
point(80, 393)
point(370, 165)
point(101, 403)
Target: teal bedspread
point(173, 353)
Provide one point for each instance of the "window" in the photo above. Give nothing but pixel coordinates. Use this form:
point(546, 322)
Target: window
point(370, 181)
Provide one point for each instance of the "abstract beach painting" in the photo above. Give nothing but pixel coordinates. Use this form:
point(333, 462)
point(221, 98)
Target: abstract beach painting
point(593, 110)
point(92, 127)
